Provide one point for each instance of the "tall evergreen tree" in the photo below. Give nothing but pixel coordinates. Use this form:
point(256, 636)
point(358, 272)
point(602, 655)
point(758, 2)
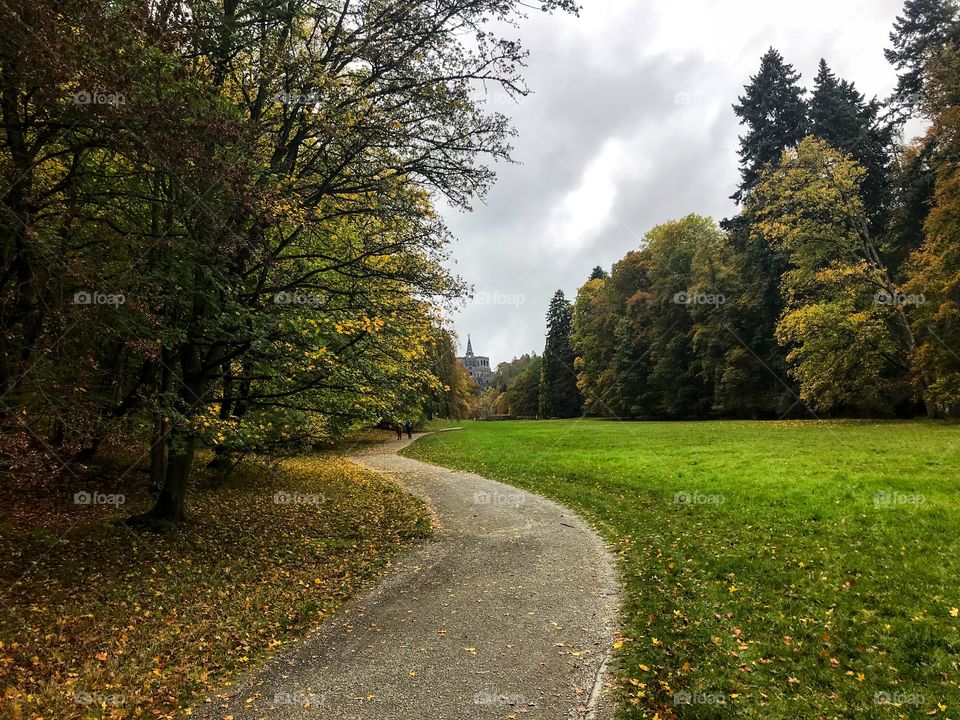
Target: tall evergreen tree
point(559, 396)
point(842, 116)
point(774, 112)
point(745, 361)
point(598, 274)
point(934, 268)
point(919, 36)
point(924, 27)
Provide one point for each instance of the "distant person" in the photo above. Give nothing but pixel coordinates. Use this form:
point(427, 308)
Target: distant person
point(409, 428)
point(399, 432)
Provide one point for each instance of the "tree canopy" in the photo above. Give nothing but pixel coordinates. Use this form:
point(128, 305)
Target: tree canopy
point(220, 229)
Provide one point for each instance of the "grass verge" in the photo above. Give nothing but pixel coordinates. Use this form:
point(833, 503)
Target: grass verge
point(97, 621)
point(771, 570)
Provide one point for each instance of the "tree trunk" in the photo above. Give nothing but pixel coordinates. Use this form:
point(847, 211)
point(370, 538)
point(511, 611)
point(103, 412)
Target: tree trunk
point(222, 462)
point(160, 441)
point(873, 256)
point(181, 446)
point(158, 453)
point(170, 504)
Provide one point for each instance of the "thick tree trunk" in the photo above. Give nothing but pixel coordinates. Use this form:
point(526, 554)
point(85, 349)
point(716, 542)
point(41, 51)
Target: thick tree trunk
point(160, 440)
point(180, 450)
point(158, 454)
point(170, 504)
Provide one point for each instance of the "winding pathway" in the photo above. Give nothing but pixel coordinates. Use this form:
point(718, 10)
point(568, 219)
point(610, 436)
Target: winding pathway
point(508, 611)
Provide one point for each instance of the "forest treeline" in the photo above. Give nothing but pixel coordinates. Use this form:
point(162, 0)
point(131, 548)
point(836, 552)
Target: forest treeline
point(218, 223)
point(834, 291)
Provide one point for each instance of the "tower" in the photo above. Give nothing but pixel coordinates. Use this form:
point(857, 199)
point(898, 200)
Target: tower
point(478, 366)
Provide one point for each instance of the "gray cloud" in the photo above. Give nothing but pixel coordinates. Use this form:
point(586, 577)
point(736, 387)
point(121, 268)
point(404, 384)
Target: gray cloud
point(630, 125)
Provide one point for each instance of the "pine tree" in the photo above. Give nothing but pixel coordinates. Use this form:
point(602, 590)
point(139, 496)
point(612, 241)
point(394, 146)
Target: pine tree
point(775, 113)
point(598, 274)
point(746, 363)
point(842, 116)
point(834, 113)
point(559, 396)
point(924, 27)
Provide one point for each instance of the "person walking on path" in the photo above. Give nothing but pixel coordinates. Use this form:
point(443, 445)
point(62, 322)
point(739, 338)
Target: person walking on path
point(409, 428)
point(399, 431)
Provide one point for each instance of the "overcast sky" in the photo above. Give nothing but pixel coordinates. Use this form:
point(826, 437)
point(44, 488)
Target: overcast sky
point(630, 125)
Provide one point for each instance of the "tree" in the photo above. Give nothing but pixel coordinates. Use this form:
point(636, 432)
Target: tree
point(635, 331)
point(596, 311)
point(725, 335)
point(934, 268)
point(746, 363)
point(851, 341)
point(920, 34)
point(840, 115)
point(449, 386)
point(506, 372)
point(924, 27)
point(912, 183)
point(264, 200)
point(559, 396)
point(632, 395)
point(775, 114)
point(675, 377)
point(522, 397)
point(486, 405)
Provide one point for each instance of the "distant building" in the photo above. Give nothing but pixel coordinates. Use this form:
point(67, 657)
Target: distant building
point(477, 365)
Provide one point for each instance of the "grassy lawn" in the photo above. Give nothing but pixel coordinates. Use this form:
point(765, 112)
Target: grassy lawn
point(771, 570)
point(440, 424)
point(97, 622)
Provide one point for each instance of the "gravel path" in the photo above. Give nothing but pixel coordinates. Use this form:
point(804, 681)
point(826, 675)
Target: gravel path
point(509, 611)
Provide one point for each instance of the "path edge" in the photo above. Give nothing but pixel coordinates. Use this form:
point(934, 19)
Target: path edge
point(600, 705)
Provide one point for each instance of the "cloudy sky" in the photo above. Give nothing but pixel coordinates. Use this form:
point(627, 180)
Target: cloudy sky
point(630, 125)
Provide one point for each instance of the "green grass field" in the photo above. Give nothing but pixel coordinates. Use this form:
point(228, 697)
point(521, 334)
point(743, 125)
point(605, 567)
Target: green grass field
point(771, 570)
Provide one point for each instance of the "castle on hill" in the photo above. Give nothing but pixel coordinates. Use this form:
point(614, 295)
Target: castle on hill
point(477, 366)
